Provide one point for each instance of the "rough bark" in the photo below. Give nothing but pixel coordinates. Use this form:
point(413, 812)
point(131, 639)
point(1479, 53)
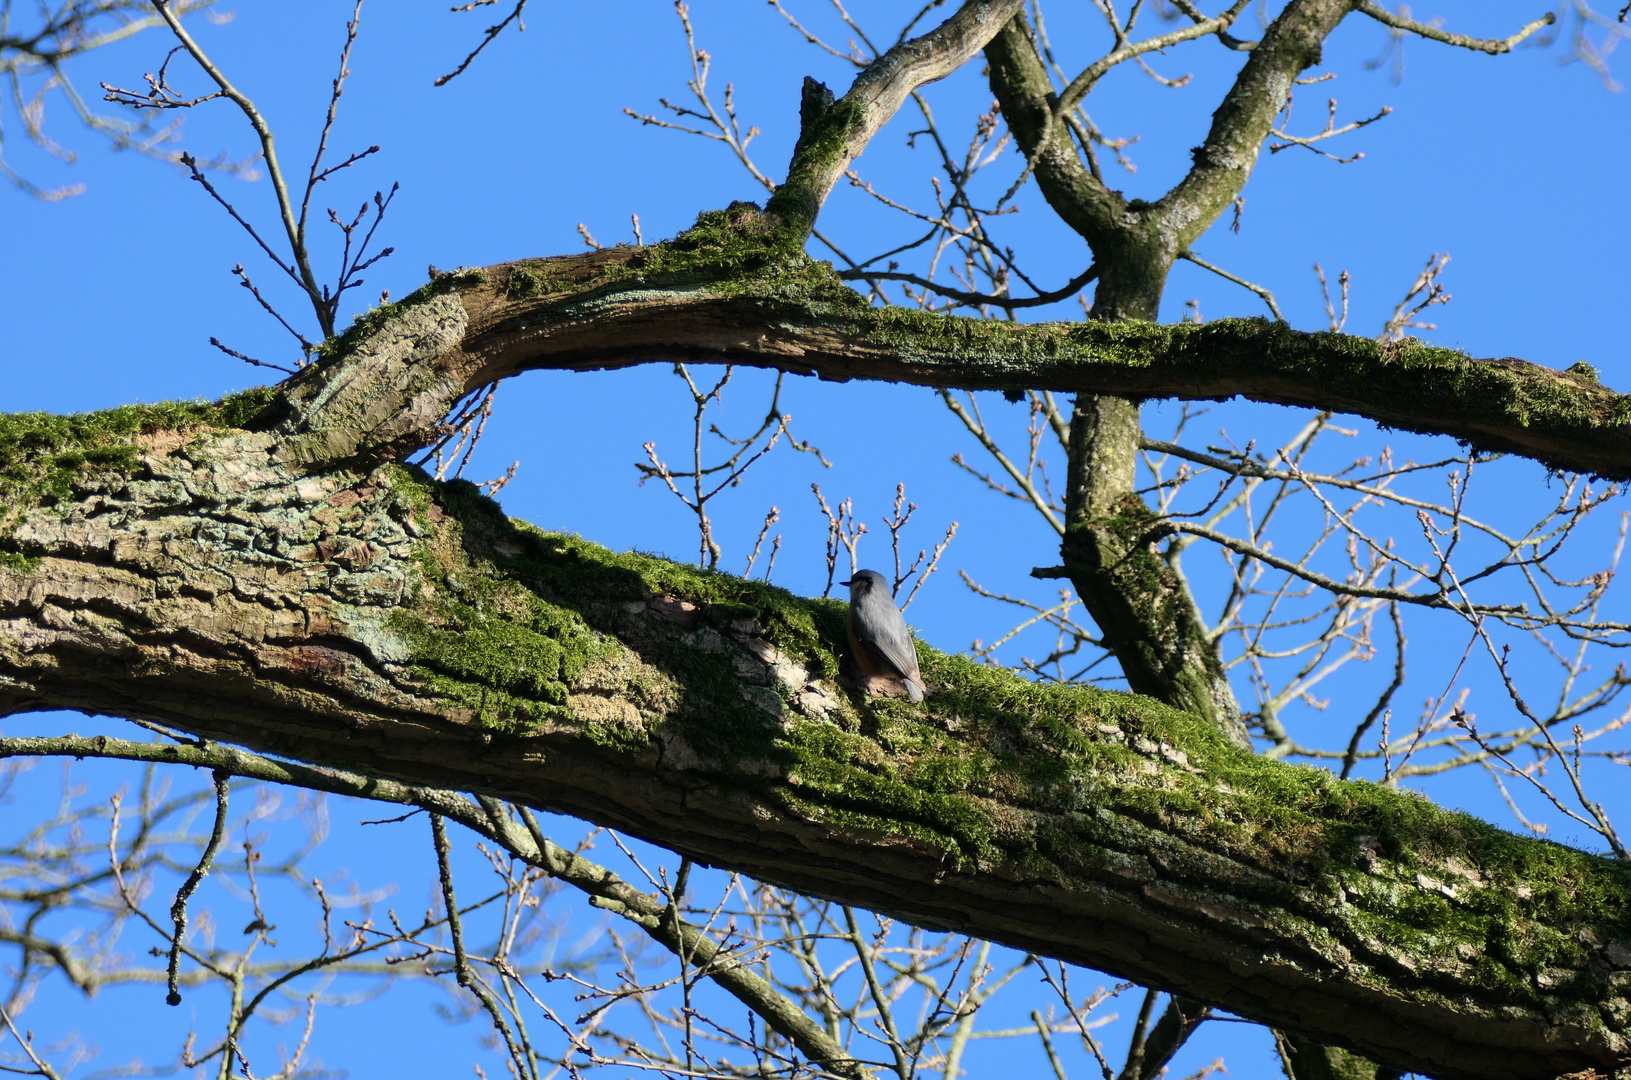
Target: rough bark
point(250, 572)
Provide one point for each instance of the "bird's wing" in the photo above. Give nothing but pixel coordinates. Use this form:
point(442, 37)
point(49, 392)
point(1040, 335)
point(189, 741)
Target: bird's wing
point(895, 645)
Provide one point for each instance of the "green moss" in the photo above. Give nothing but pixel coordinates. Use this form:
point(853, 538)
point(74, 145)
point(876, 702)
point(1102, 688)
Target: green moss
point(478, 639)
point(724, 247)
point(1024, 747)
point(827, 131)
point(498, 589)
point(17, 563)
point(513, 673)
point(533, 279)
point(247, 409)
point(46, 458)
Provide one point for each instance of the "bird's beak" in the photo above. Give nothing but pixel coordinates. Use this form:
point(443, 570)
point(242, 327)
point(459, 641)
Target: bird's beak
point(844, 583)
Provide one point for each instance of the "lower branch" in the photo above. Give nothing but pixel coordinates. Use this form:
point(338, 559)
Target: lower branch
point(408, 634)
point(604, 888)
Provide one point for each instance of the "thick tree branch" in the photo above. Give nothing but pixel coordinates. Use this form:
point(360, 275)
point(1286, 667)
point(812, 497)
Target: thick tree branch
point(619, 308)
point(1020, 82)
point(188, 572)
point(1134, 241)
point(1224, 161)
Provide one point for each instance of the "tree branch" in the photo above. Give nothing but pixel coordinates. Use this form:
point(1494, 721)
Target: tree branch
point(802, 320)
point(1492, 46)
point(383, 625)
point(606, 890)
point(834, 133)
point(1225, 159)
point(1065, 292)
point(291, 227)
point(1020, 82)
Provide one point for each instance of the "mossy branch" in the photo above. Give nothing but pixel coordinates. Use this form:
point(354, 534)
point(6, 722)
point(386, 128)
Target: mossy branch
point(723, 293)
point(375, 623)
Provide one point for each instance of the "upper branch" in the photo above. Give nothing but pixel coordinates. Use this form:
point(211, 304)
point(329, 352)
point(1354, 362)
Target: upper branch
point(1224, 161)
point(1083, 84)
point(735, 290)
point(263, 132)
point(1019, 80)
point(834, 133)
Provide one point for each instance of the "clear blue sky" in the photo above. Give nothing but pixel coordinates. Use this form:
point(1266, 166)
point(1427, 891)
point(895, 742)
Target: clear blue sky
point(1515, 165)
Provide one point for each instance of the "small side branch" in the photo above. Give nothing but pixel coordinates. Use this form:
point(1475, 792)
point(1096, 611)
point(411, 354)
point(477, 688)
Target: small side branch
point(1268, 297)
point(973, 299)
point(461, 963)
point(263, 131)
point(1492, 46)
point(492, 33)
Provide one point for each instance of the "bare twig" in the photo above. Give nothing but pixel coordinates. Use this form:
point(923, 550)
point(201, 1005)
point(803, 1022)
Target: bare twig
point(178, 910)
point(1492, 46)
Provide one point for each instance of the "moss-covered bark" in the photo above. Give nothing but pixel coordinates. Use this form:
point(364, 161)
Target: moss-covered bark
point(364, 618)
point(731, 291)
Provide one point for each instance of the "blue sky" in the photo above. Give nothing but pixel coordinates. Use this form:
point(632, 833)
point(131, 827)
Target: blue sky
point(1514, 165)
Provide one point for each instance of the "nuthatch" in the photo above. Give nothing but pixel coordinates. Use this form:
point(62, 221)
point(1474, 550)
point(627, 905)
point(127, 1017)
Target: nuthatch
point(877, 633)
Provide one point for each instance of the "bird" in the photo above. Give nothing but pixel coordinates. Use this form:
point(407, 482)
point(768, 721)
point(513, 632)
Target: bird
point(877, 633)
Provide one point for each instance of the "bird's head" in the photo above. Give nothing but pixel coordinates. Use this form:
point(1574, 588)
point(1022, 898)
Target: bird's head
point(866, 581)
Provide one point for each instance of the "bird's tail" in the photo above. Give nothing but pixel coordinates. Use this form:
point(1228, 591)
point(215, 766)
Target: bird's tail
point(914, 691)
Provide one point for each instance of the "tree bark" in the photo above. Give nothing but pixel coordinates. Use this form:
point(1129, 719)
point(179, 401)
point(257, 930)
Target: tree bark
point(260, 571)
